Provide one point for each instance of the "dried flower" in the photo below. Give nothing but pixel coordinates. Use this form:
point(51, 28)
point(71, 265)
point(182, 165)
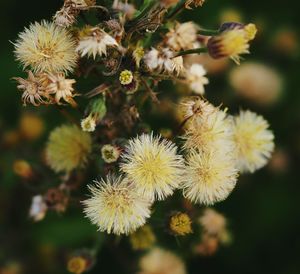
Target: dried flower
point(46, 47)
point(196, 3)
point(210, 176)
point(33, 91)
point(110, 153)
point(115, 206)
point(38, 208)
point(180, 224)
point(143, 238)
point(68, 148)
point(153, 165)
point(93, 41)
point(161, 261)
point(182, 36)
point(253, 140)
point(196, 79)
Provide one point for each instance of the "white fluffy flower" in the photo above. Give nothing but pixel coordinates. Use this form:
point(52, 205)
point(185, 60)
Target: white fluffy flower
point(253, 140)
point(196, 79)
point(116, 207)
point(95, 42)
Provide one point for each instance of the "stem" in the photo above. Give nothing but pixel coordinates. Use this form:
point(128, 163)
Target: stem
point(191, 51)
point(180, 6)
point(207, 32)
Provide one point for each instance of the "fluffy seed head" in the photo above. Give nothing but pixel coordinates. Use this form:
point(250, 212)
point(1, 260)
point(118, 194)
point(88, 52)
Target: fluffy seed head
point(253, 140)
point(115, 206)
point(68, 148)
point(210, 176)
point(153, 165)
point(45, 47)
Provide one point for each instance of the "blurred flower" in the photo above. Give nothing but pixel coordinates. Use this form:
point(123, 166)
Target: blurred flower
point(138, 55)
point(128, 9)
point(161, 261)
point(46, 47)
point(93, 41)
point(266, 88)
point(68, 147)
point(77, 265)
point(254, 142)
point(180, 224)
point(38, 208)
point(210, 176)
point(280, 161)
point(110, 153)
point(286, 41)
point(115, 206)
point(88, 124)
point(143, 238)
point(230, 15)
point(31, 126)
point(10, 138)
point(208, 245)
point(195, 77)
point(23, 169)
point(33, 91)
point(196, 3)
point(57, 199)
point(163, 61)
point(182, 36)
point(60, 87)
point(212, 222)
point(153, 165)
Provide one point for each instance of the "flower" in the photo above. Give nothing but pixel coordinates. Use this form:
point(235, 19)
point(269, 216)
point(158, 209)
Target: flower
point(253, 140)
point(46, 47)
point(180, 224)
point(161, 261)
point(210, 176)
point(94, 41)
point(138, 55)
point(182, 36)
point(143, 238)
point(115, 206)
point(33, 91)
point(61, 87)
point(196, 79)
point(88, 124)
point(266, 88)
point(232, 41)
point(213, 222)
point(126, 77)
point(68, 147)
point(66, 16)
point(31, 126)
point(77, 264)
point(38, 208)
point(164, 61)
point(153, 165)
point(110, 154)
point(23, 169)
point(209, 128)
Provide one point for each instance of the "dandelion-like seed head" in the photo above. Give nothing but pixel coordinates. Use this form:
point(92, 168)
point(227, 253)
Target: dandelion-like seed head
point(45, 47)
point(153, 165)
point(211, 176)
point(68, 148)
point(253, 140)
point(161, 261)
point(115, 206)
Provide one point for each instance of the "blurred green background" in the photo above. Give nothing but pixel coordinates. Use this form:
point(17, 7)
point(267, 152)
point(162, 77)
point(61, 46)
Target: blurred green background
point(263, 211)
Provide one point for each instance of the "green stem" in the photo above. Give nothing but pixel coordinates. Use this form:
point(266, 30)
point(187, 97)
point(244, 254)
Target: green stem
point(191, 51)
point(207, 32)
point(180, 6)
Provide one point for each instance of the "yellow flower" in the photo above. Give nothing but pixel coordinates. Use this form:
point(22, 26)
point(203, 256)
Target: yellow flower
point(153, 165)
point(110, 154)
point(77, 265)
point(46, 47)
point(126, 77)
point(68, 148)
point(143, 238)
point(180, 224)
point(250, 31)
point(115, 206)
point(253, 140)
point(22, 169)
point(31, 126)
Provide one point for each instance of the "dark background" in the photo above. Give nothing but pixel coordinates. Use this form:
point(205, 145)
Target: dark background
point(263, 211)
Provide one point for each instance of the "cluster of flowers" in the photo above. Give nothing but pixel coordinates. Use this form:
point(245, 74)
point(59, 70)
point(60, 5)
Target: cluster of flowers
point(215, 146)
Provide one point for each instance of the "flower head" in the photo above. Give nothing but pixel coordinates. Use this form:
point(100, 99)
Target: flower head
point(45, 47)
point(213, 222)
point(31, 126)
point(180, 224)
point(88, 124)
point(126, 77)
point(95, 41)
point(161, 261)
point(77, 264)
point(210, 176)
point(68, 148)
point(115, 206)
point(110, 153)
point(253, 140)
point(153, 165)
point(143, 238)
point(195, 77)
